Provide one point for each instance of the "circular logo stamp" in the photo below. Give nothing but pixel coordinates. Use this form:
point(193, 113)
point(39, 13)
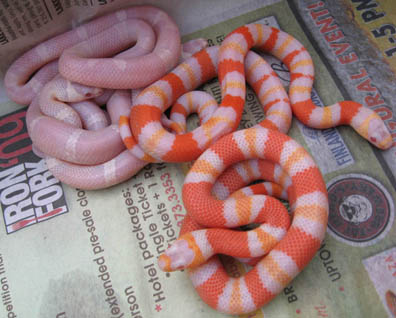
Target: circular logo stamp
point(361, 209)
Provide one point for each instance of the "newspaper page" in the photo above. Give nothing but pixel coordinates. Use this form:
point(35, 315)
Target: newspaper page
point(67, 252)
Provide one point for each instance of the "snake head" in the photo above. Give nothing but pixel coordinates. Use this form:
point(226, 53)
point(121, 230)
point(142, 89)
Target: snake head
point(77, 92)
point(378, 134)
point(176, 257)
point(60, 89)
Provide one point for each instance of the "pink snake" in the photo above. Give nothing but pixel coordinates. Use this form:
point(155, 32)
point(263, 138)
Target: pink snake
point(79, 153)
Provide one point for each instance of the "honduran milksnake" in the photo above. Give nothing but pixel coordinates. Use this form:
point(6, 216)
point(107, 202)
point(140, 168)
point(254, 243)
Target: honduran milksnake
point(282, 245)
point(292, 248)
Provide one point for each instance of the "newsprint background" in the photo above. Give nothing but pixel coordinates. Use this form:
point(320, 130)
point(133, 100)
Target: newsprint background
point(75, 253)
